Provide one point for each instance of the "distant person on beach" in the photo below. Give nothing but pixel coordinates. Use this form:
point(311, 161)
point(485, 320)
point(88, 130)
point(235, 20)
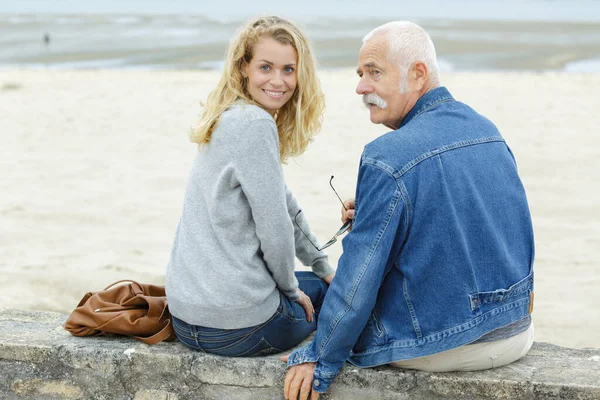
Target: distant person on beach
point(230, 281)
point(47, 39)
point(437, 272)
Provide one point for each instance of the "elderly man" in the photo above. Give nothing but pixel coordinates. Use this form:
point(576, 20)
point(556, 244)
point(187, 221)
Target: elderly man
point(437, 272)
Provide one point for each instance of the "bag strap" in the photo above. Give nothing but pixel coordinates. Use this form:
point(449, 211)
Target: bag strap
point(121, 281)
point(136, 287)
point(164, 334)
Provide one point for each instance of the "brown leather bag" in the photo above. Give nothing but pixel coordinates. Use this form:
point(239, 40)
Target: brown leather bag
point(135, 309)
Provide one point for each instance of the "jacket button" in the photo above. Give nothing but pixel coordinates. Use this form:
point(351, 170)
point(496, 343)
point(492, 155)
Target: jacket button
point(316, 382)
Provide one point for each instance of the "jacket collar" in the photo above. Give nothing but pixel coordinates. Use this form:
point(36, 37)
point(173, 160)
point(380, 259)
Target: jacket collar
point(428, 100)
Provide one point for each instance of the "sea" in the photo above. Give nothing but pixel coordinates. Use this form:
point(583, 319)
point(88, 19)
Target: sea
point(469, 35)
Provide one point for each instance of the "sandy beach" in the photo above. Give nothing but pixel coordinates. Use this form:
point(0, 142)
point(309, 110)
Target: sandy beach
point(94, 163)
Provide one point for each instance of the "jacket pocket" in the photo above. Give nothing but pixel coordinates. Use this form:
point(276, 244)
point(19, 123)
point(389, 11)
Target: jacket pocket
point(500, 295)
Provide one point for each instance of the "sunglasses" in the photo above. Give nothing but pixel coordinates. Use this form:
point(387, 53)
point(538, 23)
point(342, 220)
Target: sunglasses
point(347, 225)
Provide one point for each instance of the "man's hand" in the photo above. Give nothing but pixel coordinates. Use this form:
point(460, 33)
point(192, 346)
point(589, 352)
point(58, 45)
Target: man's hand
point(298, 381)
point(348, 211)
point(305, 302)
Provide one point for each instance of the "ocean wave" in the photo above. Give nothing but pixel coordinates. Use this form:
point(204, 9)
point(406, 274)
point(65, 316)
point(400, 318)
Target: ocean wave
point(589, 65)
point(70, 21)
point(182, 32)
point(126, 20)
point(212, 64)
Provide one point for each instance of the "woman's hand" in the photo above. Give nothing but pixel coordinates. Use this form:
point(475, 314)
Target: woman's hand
point(305, 302)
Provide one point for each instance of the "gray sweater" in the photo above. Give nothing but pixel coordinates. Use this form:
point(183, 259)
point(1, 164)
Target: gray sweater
point(236, 240)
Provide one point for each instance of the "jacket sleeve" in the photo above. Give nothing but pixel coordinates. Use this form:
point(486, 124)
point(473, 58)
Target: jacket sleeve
point(305, 251)
point(368, 255)
point(259, 172)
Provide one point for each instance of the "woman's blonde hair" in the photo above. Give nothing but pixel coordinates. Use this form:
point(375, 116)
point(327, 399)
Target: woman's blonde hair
point(299, 119)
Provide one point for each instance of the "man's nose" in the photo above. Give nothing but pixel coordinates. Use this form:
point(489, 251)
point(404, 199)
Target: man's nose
point(363, 88)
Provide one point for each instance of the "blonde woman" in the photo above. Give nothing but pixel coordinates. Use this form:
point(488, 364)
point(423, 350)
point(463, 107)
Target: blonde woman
point(230, 282)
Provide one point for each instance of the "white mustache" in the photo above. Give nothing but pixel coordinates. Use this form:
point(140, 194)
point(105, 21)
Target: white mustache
point(372, 98)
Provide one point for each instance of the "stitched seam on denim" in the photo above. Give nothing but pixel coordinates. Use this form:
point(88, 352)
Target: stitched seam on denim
point(250, 350)
point(411, 164)
point(270, 345)
point(228, 346)
point(500, 295)
point(302, 357)
point(379, 164)
point(411, 310)
point(257, 328)
point(378, 237)
point(350, 297)
point(294, 319)
point(194, 331)
point(328, 375)
point(177, 325)
point(218, 339)
point(441, 100)
point(436, 337)
point(180, 335)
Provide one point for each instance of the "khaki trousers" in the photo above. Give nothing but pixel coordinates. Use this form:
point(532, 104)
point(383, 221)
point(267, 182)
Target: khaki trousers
point(474, 357)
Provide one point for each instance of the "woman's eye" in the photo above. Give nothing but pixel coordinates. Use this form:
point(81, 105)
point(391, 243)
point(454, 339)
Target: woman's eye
point(265, 67)
point(289, 70)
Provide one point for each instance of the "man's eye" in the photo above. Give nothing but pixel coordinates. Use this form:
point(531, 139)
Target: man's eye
point(376, 72)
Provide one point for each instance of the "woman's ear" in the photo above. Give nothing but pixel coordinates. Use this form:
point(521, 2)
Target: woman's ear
point(244, 69)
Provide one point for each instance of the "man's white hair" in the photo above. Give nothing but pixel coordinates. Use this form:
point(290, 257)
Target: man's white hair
point(408, 43)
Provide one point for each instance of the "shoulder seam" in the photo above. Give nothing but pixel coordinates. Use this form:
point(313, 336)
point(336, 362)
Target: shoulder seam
point(414, 162)
point(417, 160)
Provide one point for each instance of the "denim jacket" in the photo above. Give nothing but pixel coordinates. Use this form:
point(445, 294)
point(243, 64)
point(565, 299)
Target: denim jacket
point(441, 251)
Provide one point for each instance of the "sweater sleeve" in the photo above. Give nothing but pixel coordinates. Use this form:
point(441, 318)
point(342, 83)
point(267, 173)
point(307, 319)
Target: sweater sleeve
point(305, 251)
point(259, 172)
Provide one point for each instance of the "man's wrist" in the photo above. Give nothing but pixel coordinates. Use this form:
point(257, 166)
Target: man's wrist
point(321, 382)
point(301, 356)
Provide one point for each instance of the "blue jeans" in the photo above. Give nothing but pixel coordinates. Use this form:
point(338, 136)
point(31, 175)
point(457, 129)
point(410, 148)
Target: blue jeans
point(284, 330)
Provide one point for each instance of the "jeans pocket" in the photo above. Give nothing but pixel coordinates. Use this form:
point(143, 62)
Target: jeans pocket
point(221, 346)
point(217, 335)
point(291, 310)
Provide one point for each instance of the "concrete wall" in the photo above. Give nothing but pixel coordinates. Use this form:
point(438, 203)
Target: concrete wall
point(40, 360)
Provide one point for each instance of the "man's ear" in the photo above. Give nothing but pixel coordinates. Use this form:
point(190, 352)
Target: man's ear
point(418, 75)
